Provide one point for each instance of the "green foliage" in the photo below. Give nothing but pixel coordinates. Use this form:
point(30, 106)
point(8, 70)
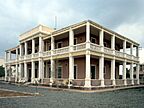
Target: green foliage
point(2, 71)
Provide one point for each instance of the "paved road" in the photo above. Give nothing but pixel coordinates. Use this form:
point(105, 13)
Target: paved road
point(132, 98)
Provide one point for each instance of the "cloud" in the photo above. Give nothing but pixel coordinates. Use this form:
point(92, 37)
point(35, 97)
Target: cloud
point(18, 16)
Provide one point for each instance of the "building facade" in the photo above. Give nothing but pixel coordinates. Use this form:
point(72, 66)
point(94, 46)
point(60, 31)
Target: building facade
point(85, 54)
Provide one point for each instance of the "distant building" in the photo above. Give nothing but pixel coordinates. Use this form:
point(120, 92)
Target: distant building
point(84, 55)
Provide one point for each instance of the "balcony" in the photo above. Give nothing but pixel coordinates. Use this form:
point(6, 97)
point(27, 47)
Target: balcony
point(47, 53)
point(79, 47)
point(61, 50)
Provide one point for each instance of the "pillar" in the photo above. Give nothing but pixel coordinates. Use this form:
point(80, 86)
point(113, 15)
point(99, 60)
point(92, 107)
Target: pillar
point(101, 70)
point(113, 72)
point(137, 51)
point(71, 39)
point(33, 72)
point(52, 71)
point(6, 73)
point(25, 71)
point(16, 74)
point(131, 49)
point(33, 46)
point(20, 47)
point(131, 73)
point(20, 72)
point(137, 73)
point(25, 48)
point(124, 72)
point(113, 42)
point(41, 45)
point(17, 53)
point(88, 71)
point(101, 38)
point(71, 68)
point(41, 70)
point(124, 46)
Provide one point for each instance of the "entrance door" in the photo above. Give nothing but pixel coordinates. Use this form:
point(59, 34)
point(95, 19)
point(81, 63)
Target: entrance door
point(93, 72)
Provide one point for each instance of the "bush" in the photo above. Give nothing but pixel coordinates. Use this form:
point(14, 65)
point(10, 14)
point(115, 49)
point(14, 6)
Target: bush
point(2, 71)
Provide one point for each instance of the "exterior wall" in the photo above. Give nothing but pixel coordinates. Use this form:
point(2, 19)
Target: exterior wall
point(81, 38)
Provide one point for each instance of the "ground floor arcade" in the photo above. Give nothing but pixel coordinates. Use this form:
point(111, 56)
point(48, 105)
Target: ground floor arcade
point(83, 71)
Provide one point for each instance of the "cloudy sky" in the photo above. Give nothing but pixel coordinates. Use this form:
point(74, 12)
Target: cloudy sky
point(17, 16)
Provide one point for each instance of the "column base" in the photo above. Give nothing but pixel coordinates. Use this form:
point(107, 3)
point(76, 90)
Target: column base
point(113, 82)
point(138, 82)
point(125, 82)
point(132, 81)
point(87, 83)
point(102, 83)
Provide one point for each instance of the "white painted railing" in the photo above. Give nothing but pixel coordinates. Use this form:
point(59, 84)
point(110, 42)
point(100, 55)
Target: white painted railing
point(119, 54)
point(95, 47)
point(135, 58)
point(47, 53)
point(28, 56)
point(61, 50)
point(128, 56)
point(36, 55)
point(79, 47)
point(108, 50)
point(21, 57)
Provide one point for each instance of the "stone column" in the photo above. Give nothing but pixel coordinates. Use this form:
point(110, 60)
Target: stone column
point(124, 72)
point(131, 49)
point(20, 72)
point(16, 74)
point(20, 47)
point(71, 39)
point(33, 46)
point(25, 71)
point(131, 73)
point(113, 42)
point(88, 71)
point(52, 71)
point(124, 47)
point(6, 73)
point(41, 45)
point(6, 59)
point(88, 35)
point(41, 70)
point(33, 72)
point(113, 71)
point(101, 38)
point(101, 70)
point(71, 68)
point(26, 48)
point(137, 73)
point(9, 58)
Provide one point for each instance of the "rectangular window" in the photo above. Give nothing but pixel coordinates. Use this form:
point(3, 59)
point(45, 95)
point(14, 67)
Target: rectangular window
point(59, 44)
point(75, 41)
point(49, 69)
point(59, 74)
point(75, 72)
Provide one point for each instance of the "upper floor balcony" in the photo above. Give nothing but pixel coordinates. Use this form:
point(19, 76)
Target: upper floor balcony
point(79, 37)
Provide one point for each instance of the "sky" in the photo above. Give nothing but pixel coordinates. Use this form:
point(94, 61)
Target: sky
point(17, 16)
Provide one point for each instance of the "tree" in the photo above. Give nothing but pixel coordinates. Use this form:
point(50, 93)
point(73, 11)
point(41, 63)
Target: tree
point(2, 71)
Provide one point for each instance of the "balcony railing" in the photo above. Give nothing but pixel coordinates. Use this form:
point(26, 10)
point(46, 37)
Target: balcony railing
point(79, 47)
point(28, 56)
point(61, 50)
point(108, 51)
point(95, 47)
point(47, 53)
point(36, 55)
point(128, 56)
point(119, 54)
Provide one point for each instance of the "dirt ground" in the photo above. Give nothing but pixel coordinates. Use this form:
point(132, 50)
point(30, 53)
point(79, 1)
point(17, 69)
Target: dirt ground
point(5, 93)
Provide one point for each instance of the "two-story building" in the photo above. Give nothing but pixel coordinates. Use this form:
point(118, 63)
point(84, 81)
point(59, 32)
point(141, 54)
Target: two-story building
point(85, 54)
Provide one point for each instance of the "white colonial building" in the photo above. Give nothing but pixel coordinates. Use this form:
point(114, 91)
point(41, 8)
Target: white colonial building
point(85, 54)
